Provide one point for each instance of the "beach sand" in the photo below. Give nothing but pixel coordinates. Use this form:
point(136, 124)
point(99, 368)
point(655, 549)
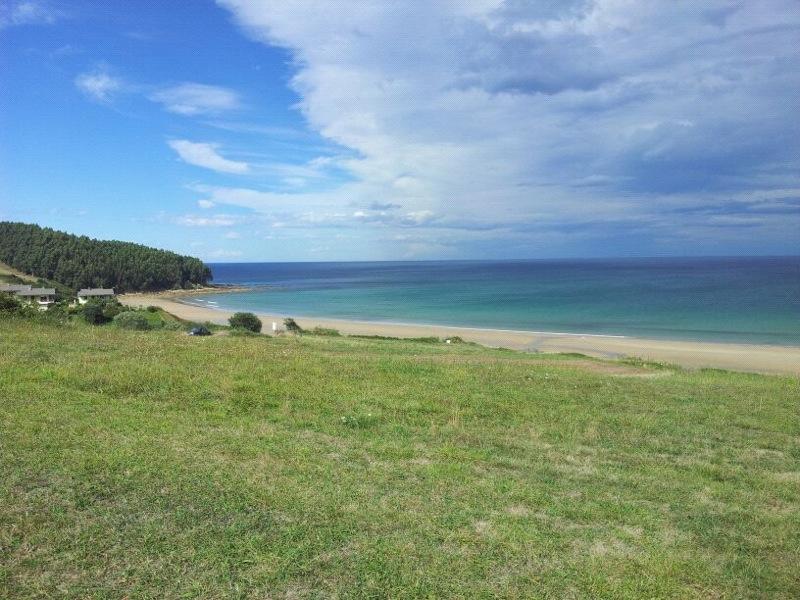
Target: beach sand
point(737, 357)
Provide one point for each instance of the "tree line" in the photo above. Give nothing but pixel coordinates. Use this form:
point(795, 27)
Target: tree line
point(81, 262)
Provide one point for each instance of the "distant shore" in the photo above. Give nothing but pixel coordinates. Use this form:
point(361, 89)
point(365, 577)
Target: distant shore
point(198, 291)
point(737, 357)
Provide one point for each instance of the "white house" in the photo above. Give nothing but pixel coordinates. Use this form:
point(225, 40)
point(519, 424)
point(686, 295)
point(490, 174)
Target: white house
point(87, 294)
point(43, 298)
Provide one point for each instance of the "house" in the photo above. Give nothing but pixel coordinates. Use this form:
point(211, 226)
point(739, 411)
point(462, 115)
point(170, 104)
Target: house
point(42, 297)
point(87, 294)
point(13, 288)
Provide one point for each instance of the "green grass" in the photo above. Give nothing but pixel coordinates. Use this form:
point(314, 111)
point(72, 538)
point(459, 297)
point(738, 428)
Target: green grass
point(159, 317)
point(157, 465)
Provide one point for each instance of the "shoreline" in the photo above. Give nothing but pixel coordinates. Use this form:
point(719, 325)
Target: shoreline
point(755, 358)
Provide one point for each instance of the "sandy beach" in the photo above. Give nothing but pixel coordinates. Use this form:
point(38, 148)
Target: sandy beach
point(689, 354)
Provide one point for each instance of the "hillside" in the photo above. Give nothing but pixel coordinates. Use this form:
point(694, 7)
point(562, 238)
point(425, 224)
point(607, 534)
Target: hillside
point(11, 275)
point(179, 467)
point(78, 261)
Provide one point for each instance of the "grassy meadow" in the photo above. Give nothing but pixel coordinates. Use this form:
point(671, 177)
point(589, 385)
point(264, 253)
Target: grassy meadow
point(158, 465)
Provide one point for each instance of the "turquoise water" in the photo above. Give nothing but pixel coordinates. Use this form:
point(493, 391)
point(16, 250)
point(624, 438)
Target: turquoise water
point(753, 300)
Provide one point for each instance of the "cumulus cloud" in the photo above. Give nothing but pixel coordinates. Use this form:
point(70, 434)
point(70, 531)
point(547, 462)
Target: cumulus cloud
point(28, 12)
point(584, 111)
point(99, 84)
point(197, 99)
point(205, 155)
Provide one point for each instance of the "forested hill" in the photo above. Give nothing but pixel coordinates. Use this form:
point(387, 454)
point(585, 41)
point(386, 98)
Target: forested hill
point(79, 261)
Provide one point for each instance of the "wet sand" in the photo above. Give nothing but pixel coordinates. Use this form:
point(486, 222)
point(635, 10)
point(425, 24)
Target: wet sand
point(737, 357)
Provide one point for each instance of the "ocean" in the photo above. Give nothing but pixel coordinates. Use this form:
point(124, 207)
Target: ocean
point(752, 300)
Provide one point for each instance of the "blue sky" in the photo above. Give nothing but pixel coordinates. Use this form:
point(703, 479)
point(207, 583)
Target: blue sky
point(247, 130)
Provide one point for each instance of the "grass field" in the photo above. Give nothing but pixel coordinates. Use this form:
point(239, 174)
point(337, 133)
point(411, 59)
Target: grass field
point(156, 465)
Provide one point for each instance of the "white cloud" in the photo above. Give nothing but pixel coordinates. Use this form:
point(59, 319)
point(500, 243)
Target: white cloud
point(205, 204)
point(232, 235)
point(242, 197)
point(224, 254)
point(557, 114)
point(28, 12)
point(197, 99)
point(420, 216)
point(99, 84)
point(221, 220)
point(205, 155)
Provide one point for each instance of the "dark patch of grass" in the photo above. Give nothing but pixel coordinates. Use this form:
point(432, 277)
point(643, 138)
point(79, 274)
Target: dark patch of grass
point(421, 340)
point(325, 331)
point(239, 332)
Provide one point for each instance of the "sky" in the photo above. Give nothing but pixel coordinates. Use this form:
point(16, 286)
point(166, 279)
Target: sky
point(255, 130)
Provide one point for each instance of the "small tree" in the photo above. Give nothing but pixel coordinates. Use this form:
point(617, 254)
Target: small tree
point(291, 325)
point(93, 313)
point(132, 320)
point(244, 320)
point(101, 310)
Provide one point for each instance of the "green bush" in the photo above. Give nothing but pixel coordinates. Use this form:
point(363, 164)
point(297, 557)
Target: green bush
point(244, 320)
point(132, 320)
point(9, 303)
point(93, 313)
point(291, 325)
point(98, 311)
point(153, 309)
point(326, 332)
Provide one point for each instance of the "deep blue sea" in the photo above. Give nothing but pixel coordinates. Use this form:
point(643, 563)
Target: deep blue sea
point(753, 300)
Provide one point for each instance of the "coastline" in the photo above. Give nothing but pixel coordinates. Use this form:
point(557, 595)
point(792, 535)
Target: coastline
point(755, 358)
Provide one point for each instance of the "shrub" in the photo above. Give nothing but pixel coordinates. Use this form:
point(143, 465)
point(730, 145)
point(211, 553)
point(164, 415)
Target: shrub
point(248, 321)
point(93, 313)
point(111, 308)
point(153, 309)
point(171, 325)
point(326, 331)
point(291, 325)
point(132, 320)
point(9, 303)
point(58, 313)
point(98, 311)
